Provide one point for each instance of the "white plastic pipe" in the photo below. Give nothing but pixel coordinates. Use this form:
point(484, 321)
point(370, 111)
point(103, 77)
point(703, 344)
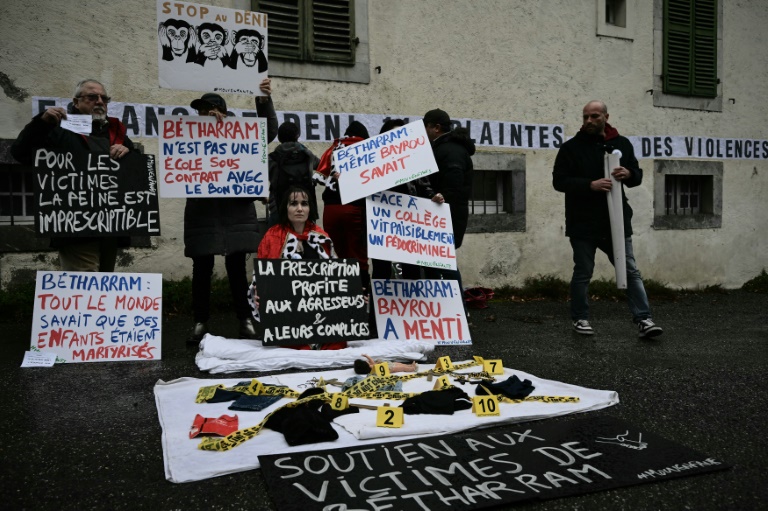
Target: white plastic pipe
point(616, 214)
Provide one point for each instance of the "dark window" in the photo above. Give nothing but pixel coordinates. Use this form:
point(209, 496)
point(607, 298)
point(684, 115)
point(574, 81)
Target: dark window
point(310, 30)
point(616, 12)
point(687, 195)
point(690, 48)
point(498, 193)
point(17, 194)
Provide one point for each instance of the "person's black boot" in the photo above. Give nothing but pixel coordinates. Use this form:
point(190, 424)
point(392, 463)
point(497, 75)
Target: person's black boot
point(247, 331)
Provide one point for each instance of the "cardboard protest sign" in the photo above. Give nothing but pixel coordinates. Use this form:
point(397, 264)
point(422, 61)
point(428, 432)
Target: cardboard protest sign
point(423, 310)
point(202, 157)
point(97, 317)
point(384, 161)
point(81, 193)
point(214, 49)
point(410, 230)
point(478, 470)
point(310, 301)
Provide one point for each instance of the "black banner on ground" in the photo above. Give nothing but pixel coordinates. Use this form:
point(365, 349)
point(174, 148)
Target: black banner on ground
point(80, 193)
point(312, 301)
point(480, 469)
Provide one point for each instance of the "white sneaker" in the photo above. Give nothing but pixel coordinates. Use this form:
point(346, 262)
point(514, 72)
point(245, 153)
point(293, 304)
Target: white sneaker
point(582, 326)
point(647, 328)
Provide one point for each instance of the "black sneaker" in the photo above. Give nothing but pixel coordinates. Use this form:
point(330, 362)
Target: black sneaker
point(247, 330)
point(582, 326)
point(647, 329)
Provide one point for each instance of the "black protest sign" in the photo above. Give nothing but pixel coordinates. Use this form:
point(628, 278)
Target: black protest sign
point(83, 193)
point(310, 301)
point(480, 469)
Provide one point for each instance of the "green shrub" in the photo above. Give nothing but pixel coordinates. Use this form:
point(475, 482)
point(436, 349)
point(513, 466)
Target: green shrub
point(757, 284)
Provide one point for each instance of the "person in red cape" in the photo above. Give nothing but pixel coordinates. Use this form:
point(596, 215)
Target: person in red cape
point(295, 236)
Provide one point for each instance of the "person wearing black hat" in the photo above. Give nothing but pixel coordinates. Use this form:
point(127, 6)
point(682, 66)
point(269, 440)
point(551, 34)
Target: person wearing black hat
point(223, 226)
point(452, 182)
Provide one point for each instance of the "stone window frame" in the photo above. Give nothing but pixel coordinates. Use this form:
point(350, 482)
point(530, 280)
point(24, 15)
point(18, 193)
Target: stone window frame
point(512, 164)
point(707, 220)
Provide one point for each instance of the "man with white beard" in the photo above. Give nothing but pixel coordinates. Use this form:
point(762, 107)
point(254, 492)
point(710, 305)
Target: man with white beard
point(108, 135)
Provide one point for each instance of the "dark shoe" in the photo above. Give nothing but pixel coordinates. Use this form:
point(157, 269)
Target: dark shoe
point(647, 329)
point(197, 333)
point(582, 326)
point(247, 331)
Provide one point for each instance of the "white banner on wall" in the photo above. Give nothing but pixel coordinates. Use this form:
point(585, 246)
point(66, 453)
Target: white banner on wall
point(323, 127)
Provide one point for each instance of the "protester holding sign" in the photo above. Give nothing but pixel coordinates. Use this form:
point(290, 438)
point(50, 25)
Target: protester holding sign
point(420, 187)
point(107, 136)
point(295, 236)
point(453, 181)
point(345, 222)
point(224, 226)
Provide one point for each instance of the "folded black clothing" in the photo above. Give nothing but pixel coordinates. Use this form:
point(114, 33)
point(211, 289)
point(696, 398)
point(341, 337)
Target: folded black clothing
point(329, 413)
point(512, 388)
point(437, 402)
point(302, 425)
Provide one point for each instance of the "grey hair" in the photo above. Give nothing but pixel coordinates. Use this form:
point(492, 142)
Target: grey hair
point(81, 84)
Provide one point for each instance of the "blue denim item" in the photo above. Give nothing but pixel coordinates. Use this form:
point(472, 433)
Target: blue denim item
point(253, 403)
point(583, 266)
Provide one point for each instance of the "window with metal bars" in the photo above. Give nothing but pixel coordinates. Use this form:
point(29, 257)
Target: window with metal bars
point(17, 194)
point(683, 194)
point(488, 192)
point(690, 48)
point(321, 31)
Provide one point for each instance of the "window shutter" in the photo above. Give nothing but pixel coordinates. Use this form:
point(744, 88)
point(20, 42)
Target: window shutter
point(705, 43)
point(310, 30)
point(286, 35)
point(690, 47)
point(332, 31)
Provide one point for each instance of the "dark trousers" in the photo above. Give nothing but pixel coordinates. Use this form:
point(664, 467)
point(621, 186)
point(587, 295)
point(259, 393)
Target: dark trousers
point(202, 271)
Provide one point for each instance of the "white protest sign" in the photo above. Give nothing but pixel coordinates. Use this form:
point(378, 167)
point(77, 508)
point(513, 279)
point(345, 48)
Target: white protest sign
point(204, 157)
point(38, 359)
point(96, 317)
point(410, 230)
point(424, 310)
point(383, 161)
point(78, 123)
point(214, 49)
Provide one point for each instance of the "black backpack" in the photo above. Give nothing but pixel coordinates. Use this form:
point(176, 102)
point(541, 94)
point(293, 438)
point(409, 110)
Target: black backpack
point(294, 168)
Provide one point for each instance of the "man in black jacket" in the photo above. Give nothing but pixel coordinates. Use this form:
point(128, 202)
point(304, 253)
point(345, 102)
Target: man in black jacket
point(579, 173)
point(93, 253)
point(452, 183)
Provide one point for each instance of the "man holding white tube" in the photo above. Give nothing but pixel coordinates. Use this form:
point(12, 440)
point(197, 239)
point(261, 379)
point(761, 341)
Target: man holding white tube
point(579, 173)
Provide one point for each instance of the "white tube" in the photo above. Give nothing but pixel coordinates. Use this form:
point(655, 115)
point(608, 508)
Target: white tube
point(616, 214)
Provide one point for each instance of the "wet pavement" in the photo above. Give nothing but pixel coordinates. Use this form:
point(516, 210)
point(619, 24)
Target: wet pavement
point(86, 436)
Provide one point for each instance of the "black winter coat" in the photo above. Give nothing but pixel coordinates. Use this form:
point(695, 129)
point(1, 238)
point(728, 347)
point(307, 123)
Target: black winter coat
point(578, 163)
point(453, 179)
point(225, 225)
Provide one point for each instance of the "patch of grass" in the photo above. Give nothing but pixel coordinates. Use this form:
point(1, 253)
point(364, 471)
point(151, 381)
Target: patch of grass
point(757, 284)
point(17, 302)
point(550, 287)
point(177, 296)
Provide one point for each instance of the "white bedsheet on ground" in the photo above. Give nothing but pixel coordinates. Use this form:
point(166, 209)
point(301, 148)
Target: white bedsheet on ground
point(221, 355)
point(184, 462)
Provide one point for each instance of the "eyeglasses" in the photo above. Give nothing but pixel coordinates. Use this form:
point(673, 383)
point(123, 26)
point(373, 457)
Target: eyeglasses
point(95, 97)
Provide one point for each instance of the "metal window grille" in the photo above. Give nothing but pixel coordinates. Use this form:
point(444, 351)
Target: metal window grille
point(487, 193)
point(17, 193)
point(683, 194)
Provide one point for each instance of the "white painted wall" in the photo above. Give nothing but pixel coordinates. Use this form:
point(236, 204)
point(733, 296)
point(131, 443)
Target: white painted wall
point(509, 60)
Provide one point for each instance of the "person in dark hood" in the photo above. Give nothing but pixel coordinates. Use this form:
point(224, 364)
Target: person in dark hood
point(290, 164)
point(452, 182)
point(579, 173)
